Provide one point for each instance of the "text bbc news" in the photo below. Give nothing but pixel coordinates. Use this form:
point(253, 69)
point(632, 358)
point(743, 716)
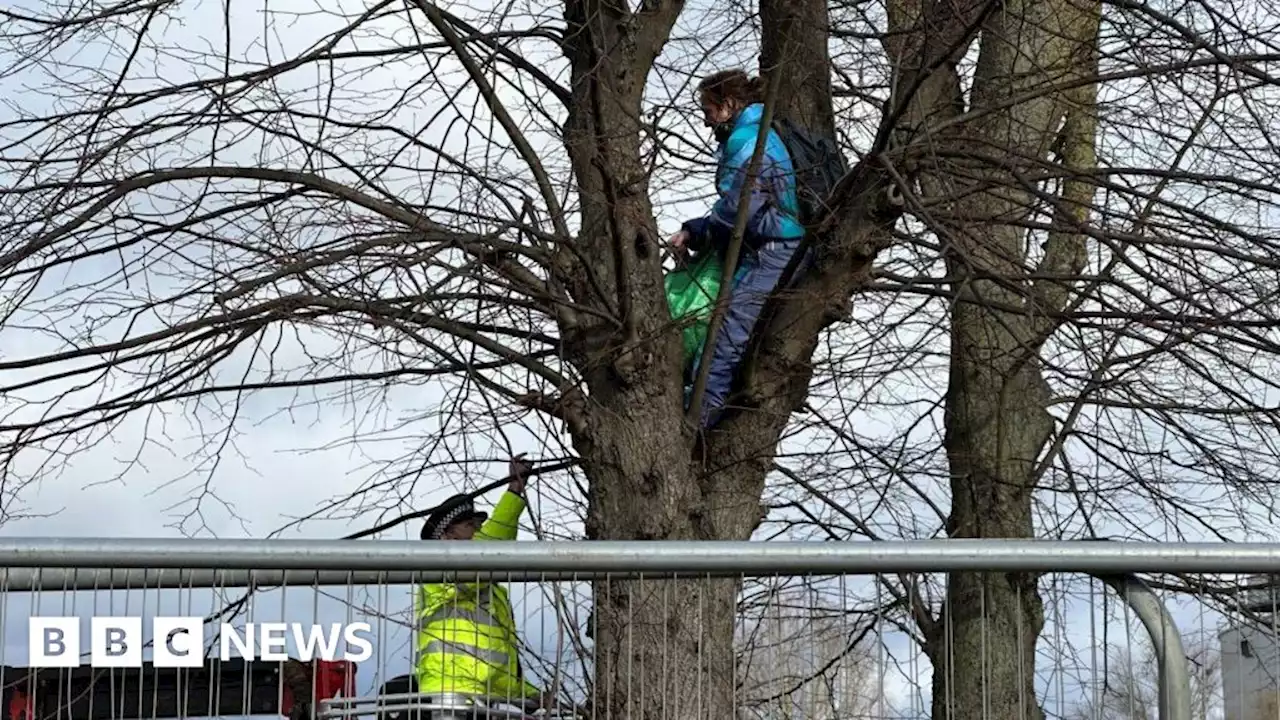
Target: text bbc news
point(179, 641)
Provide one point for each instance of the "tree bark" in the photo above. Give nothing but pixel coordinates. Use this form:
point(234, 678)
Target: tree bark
point(663, 650)
point(997, 422)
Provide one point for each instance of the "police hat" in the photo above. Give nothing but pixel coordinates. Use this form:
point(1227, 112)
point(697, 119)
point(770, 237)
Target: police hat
point(455, 509)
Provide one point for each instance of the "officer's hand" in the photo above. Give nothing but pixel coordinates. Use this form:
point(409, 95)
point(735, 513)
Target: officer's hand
point(517, 469)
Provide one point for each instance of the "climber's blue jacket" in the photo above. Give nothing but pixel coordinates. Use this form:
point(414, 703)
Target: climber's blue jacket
point(773, 209)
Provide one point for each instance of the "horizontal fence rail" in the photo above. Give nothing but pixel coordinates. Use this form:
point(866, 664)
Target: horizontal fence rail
point(819, 631)
point(530, 560)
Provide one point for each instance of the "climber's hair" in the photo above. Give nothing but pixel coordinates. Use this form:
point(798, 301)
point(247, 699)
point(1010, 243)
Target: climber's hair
point(731, 86)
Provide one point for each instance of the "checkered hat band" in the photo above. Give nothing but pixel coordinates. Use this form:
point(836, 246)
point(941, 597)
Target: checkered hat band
point(448, 519)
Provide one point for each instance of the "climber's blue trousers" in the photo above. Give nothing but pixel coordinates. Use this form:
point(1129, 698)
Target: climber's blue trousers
point(756, 277)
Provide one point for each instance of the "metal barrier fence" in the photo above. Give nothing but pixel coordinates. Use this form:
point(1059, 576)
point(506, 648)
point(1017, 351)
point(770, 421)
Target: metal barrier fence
point(661, 629)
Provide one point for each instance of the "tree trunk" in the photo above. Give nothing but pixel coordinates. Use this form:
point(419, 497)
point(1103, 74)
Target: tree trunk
point(662, 649)
point(996, 426)
point(997, 422)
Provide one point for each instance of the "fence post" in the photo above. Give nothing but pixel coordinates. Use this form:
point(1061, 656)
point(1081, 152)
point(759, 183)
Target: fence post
point(1174, 676)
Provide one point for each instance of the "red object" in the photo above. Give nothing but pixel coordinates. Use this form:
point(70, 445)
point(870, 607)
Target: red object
point(333, 678)
point(330, 679)
point(21, 706)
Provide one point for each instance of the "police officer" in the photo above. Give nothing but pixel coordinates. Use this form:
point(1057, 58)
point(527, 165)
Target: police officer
point(466, 633)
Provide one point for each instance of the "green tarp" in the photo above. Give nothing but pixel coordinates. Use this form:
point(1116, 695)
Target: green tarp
point(691, 293)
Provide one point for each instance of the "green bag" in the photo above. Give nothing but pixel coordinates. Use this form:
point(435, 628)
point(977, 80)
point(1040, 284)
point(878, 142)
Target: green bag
point(691, 293)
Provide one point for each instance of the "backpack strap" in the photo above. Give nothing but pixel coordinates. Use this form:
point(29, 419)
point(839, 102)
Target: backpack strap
point(799, 215)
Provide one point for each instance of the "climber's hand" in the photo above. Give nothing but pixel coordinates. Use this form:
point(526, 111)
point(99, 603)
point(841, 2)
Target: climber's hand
point(680, 244)
point(517, 470)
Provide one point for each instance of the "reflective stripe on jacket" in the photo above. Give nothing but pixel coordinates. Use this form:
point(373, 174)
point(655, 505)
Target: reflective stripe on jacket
point(466, 631)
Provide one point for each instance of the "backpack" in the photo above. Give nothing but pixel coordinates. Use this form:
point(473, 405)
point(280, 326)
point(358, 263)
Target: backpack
point(818, 164)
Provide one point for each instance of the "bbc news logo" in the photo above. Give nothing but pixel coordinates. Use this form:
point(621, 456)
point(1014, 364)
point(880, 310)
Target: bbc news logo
point(179, 641)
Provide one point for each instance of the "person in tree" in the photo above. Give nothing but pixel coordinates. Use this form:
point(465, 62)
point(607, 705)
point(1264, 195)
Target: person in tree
point(466, 631)
point(732, 106)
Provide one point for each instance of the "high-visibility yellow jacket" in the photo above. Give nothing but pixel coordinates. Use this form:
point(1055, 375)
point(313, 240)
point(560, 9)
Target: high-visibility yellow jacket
point(466, 631)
